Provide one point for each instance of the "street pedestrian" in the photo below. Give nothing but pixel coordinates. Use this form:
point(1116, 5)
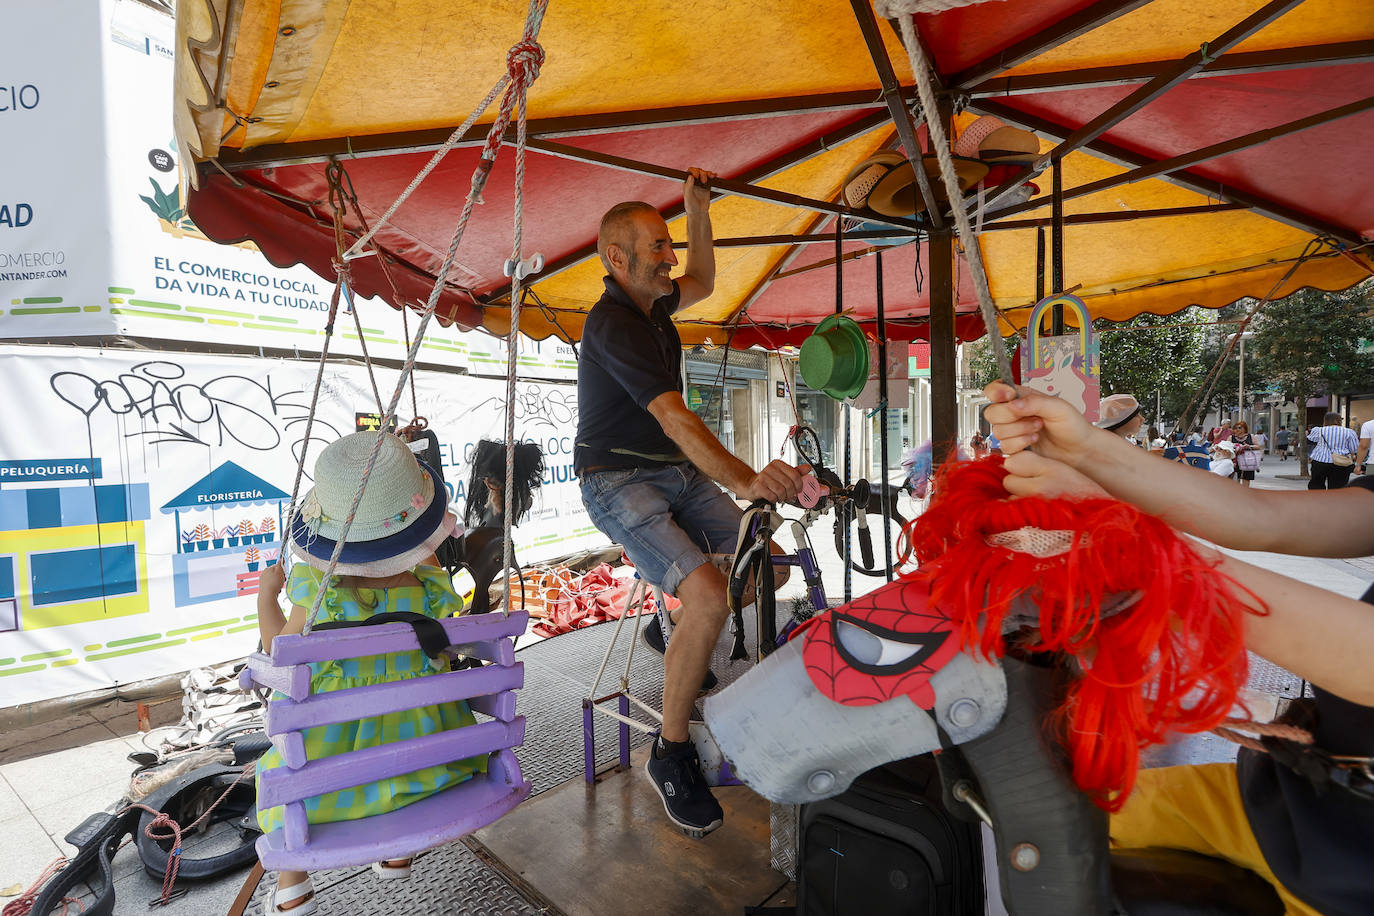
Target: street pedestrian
point(1366, 432)
point(1247, 452)
point(1333, 454)
point(1282, 438)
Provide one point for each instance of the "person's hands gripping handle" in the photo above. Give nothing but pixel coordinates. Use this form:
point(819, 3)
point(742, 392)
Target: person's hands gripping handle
point(778, 482)
point(1022, 418)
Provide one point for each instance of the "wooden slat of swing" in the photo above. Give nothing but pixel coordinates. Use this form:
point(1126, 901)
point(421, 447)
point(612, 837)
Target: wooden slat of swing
point(386, 639)
point(286, 715)
point(344, 771)
point(293, 681)
point(431, 822)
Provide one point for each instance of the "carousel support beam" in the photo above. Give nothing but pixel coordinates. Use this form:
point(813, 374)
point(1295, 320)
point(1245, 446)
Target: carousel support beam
point(725, 185)
point(1234, 64)
point(768, 169)
point(1205, 186)
point(1206, 154)
point(275, 155)
point(1111, 216)
point(1065, 30)
point(944, 414)
point(1172, 76)
point(765, 241)
point(896, 106)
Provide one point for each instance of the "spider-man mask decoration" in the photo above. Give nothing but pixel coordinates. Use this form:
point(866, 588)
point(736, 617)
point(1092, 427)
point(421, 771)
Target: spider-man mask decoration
point(876, 680)
point(885, 644)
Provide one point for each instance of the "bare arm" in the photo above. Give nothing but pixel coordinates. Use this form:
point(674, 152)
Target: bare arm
point(1364, 452)
point(1308, 523)
point(699, 278)
point(1331, 648)
point(271, 622)
point(777, 482)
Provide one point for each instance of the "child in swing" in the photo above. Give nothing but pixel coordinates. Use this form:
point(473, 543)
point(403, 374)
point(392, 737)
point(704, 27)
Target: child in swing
point(387, 564)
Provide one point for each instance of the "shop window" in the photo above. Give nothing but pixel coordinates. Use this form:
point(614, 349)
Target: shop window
point(64, 576)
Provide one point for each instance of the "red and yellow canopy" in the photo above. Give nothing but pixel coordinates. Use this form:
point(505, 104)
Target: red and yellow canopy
point(1235, 170)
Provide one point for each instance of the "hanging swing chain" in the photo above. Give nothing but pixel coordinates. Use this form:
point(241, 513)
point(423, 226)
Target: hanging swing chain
point(1214, 375)
point(284, 556)
point(351, 195)
point(520, 70)
point(338, 202)
point(902, 10)
point(525, 60)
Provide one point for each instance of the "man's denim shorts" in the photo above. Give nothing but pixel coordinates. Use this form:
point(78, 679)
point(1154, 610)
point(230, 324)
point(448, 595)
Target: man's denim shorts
point(667, 519)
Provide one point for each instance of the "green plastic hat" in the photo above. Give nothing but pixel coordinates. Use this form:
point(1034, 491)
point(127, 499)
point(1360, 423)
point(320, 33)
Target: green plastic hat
point(834, 359)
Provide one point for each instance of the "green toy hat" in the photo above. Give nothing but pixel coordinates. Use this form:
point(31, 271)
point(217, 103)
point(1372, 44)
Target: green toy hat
point(834, 359)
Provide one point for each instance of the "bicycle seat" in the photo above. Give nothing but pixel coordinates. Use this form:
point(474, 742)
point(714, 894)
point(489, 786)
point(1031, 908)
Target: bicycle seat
point(1172, 882)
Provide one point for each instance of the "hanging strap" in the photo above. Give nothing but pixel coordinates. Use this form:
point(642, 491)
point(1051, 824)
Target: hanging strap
point(430, 632)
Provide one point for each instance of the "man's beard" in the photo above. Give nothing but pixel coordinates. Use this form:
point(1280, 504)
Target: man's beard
point(646, 276)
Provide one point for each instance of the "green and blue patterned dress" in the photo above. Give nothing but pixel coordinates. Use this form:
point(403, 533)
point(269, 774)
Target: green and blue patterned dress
point(434, 597)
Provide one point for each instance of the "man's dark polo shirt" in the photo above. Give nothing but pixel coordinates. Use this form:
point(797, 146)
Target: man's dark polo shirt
point(627, 359)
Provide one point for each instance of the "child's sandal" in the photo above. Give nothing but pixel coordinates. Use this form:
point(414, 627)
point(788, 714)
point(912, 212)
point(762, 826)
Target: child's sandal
point(293, 901)
point(390, 870)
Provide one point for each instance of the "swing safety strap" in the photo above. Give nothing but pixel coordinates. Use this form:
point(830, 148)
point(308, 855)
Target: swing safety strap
point(430, 632)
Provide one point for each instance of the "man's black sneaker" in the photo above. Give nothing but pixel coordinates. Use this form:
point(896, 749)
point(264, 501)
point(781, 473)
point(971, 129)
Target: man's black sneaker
point(653, 638)
point(678, 781)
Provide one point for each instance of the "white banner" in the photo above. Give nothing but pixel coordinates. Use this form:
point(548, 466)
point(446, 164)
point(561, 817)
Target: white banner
point(94, 236)
point(54, 214)
point(141, 495)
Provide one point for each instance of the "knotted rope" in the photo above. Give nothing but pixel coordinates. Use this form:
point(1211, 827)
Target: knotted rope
point(524, 62)
point(902, 11)
point(520, 69)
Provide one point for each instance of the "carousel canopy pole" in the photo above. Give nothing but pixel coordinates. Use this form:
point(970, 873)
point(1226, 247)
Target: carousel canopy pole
point(944, 419)
point(1057, 248)
point(882, 419)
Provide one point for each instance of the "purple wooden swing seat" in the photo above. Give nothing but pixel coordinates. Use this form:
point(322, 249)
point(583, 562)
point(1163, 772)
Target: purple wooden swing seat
point(438, 819)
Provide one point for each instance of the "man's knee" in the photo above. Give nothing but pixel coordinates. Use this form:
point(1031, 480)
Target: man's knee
point(703, 596)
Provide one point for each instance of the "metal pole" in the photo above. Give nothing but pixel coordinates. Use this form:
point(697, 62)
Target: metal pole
point(1240, 384)
point(848, 558)
point(944, 417)
point(1057, 248)
point(882, 419)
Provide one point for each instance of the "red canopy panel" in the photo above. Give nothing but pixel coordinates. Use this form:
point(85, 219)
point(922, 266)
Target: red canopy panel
point(1307, 171)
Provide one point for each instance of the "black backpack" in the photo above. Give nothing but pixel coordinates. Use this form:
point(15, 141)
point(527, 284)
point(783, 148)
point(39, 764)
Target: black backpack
point(889, 847)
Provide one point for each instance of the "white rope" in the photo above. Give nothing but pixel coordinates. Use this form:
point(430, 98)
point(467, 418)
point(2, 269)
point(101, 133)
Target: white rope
point(534, 19)
point(901, 10)
point(356, 248)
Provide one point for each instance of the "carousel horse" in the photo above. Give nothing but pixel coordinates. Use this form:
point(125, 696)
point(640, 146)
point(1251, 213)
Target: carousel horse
point(1040, 645)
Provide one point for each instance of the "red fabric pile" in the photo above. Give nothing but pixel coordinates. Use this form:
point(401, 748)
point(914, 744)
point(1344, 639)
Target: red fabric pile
point(566, 601)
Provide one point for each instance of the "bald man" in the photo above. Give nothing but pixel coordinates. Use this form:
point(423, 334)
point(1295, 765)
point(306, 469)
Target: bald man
point(651, 472)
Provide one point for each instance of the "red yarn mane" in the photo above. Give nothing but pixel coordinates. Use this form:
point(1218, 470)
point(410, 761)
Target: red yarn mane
point(1172, 661)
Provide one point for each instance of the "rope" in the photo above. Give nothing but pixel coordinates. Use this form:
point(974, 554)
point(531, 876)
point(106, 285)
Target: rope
point(285, 557)
point(163, 819)
point(519, 63)
point(23, 904)
point(349, 194)
point(338, 203)
point(902, 11)
point(439, 154)
point(524, 62)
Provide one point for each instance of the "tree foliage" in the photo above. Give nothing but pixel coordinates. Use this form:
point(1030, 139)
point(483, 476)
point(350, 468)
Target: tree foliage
point(1154, 353)
point(1310, 342)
